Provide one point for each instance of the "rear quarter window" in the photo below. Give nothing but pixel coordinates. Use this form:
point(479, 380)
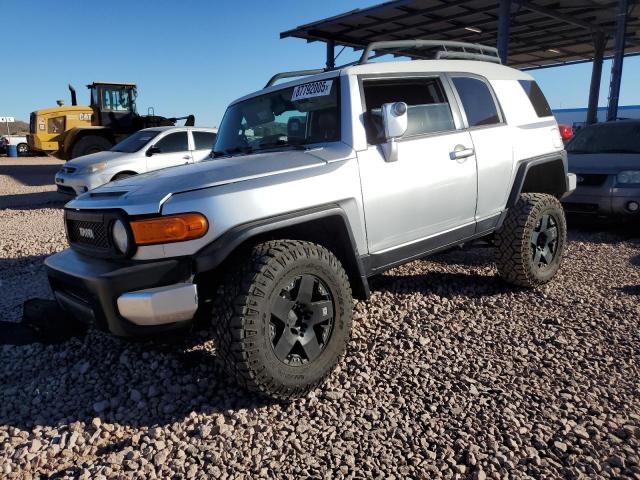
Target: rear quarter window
point(477, 101)
point(537, 98)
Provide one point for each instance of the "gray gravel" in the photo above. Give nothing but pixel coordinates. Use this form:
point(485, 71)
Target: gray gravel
point(450, 373)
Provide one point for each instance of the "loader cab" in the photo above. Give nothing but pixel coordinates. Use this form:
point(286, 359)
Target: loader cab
point(114, 105)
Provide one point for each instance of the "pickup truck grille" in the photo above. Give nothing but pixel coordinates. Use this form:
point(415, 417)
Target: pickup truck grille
point(89, 233)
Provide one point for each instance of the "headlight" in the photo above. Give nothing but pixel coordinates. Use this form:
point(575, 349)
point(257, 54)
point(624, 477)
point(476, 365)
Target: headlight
point(96, 167)
point(120, 236)
point(629, 176)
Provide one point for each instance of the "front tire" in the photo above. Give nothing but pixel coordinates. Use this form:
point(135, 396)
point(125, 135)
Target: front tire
point(282, 317)
point(531, 241)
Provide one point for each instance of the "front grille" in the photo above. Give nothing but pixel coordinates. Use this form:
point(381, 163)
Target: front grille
point(591, 179)
point(89, 232)
point(93, 234)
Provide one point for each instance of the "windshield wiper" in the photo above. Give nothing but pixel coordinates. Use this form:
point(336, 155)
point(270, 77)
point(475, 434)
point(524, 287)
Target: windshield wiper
point(227, 152)
point(272, 146)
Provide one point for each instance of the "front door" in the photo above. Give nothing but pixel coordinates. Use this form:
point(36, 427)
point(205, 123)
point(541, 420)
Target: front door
point(173, 151)
point(431, 189)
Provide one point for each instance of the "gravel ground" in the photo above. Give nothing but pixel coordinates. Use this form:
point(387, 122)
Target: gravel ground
point(450, 373)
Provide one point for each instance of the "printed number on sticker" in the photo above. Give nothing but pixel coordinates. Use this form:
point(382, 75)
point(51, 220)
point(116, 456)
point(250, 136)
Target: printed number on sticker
point(310, 90)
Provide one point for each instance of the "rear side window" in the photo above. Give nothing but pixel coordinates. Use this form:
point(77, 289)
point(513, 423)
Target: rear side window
point(204, 140)
point(477, 101)
point(174, 142)
point(540, 104)
point(428, 109)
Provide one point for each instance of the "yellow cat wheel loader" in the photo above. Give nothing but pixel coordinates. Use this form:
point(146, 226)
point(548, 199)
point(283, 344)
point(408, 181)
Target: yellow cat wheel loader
point(72, 131)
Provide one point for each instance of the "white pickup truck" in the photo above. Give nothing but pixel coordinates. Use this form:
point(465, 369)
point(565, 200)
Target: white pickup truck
point(19, 140)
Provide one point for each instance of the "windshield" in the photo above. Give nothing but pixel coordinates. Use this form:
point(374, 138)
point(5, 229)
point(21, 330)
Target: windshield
point(607, 138)
point(291, 117)
point(135, 142)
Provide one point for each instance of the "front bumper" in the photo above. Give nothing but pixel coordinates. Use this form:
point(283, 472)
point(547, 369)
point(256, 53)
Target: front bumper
point(75, 184)
point(126, 299)
point(604, 200)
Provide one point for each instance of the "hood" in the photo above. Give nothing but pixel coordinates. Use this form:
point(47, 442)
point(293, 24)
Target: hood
point(93, 158)
point(609, 163)
point(147, 192)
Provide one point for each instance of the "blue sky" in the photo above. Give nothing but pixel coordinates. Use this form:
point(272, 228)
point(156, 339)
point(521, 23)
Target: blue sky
point(191, 56)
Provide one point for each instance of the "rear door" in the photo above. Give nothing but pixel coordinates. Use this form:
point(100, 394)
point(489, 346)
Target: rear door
point(203, 144)
point(491, 141)
point(174, 150)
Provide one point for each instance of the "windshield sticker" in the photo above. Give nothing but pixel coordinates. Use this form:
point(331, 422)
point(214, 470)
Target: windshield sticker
point(310, 90)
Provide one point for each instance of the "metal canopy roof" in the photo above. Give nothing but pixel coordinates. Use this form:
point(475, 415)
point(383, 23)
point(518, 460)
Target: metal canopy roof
point(542, 32)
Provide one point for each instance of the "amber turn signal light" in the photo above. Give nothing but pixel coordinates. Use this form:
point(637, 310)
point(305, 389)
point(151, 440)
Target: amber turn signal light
point(172, 228)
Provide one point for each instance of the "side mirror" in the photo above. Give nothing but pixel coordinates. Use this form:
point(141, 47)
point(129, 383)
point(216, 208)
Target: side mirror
point(395, 122)
point(153, 150)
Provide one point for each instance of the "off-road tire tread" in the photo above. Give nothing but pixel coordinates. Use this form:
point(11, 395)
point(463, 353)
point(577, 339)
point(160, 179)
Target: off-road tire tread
point(233, 316)
point(512, 239)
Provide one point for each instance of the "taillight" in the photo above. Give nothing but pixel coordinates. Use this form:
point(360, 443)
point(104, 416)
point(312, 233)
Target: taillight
point(566, 132)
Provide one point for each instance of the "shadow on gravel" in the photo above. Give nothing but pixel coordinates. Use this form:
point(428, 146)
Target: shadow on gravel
point(42, 322)
point(628, 229)
point(138, 383)
point(34, 200)
point(31, 175)
point(630, 289)
point(443, 284)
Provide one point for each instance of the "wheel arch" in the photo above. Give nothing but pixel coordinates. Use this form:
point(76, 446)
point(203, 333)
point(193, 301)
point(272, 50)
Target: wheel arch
point(124, 172)
point(327, 226)
point(544, 174)
point(75, 134)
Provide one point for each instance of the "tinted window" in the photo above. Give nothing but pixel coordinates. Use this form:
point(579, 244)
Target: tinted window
point(540, 104)
point(607, 138)
point(428, 109)
point(477, 101)
point(174, 142)
point(204, 140)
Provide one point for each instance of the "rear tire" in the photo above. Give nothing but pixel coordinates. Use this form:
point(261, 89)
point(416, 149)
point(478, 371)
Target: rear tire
point(90, 144)
point(23, 149)
point(282, 317)
point(531, 241)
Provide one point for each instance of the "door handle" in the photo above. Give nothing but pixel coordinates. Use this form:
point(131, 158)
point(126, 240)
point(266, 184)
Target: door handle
point(186, 157)
point(460, 152)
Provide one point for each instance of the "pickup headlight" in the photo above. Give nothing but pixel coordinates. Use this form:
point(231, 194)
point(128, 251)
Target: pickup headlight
point(96, 167)
point(629, 176)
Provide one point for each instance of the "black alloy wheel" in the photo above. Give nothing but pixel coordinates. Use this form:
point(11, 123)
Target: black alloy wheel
point(544, 241)
point(301, 320)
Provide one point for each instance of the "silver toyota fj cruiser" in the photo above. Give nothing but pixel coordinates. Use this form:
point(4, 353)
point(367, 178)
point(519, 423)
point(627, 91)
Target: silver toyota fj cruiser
point(314, 186)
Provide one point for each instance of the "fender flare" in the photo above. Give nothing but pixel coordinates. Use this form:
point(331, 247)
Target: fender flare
point(525, 166)
point(213, 254)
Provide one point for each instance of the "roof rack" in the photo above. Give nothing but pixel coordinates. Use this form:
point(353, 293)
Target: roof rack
point(461, 51)
point(294, 73)
point(448, 49)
